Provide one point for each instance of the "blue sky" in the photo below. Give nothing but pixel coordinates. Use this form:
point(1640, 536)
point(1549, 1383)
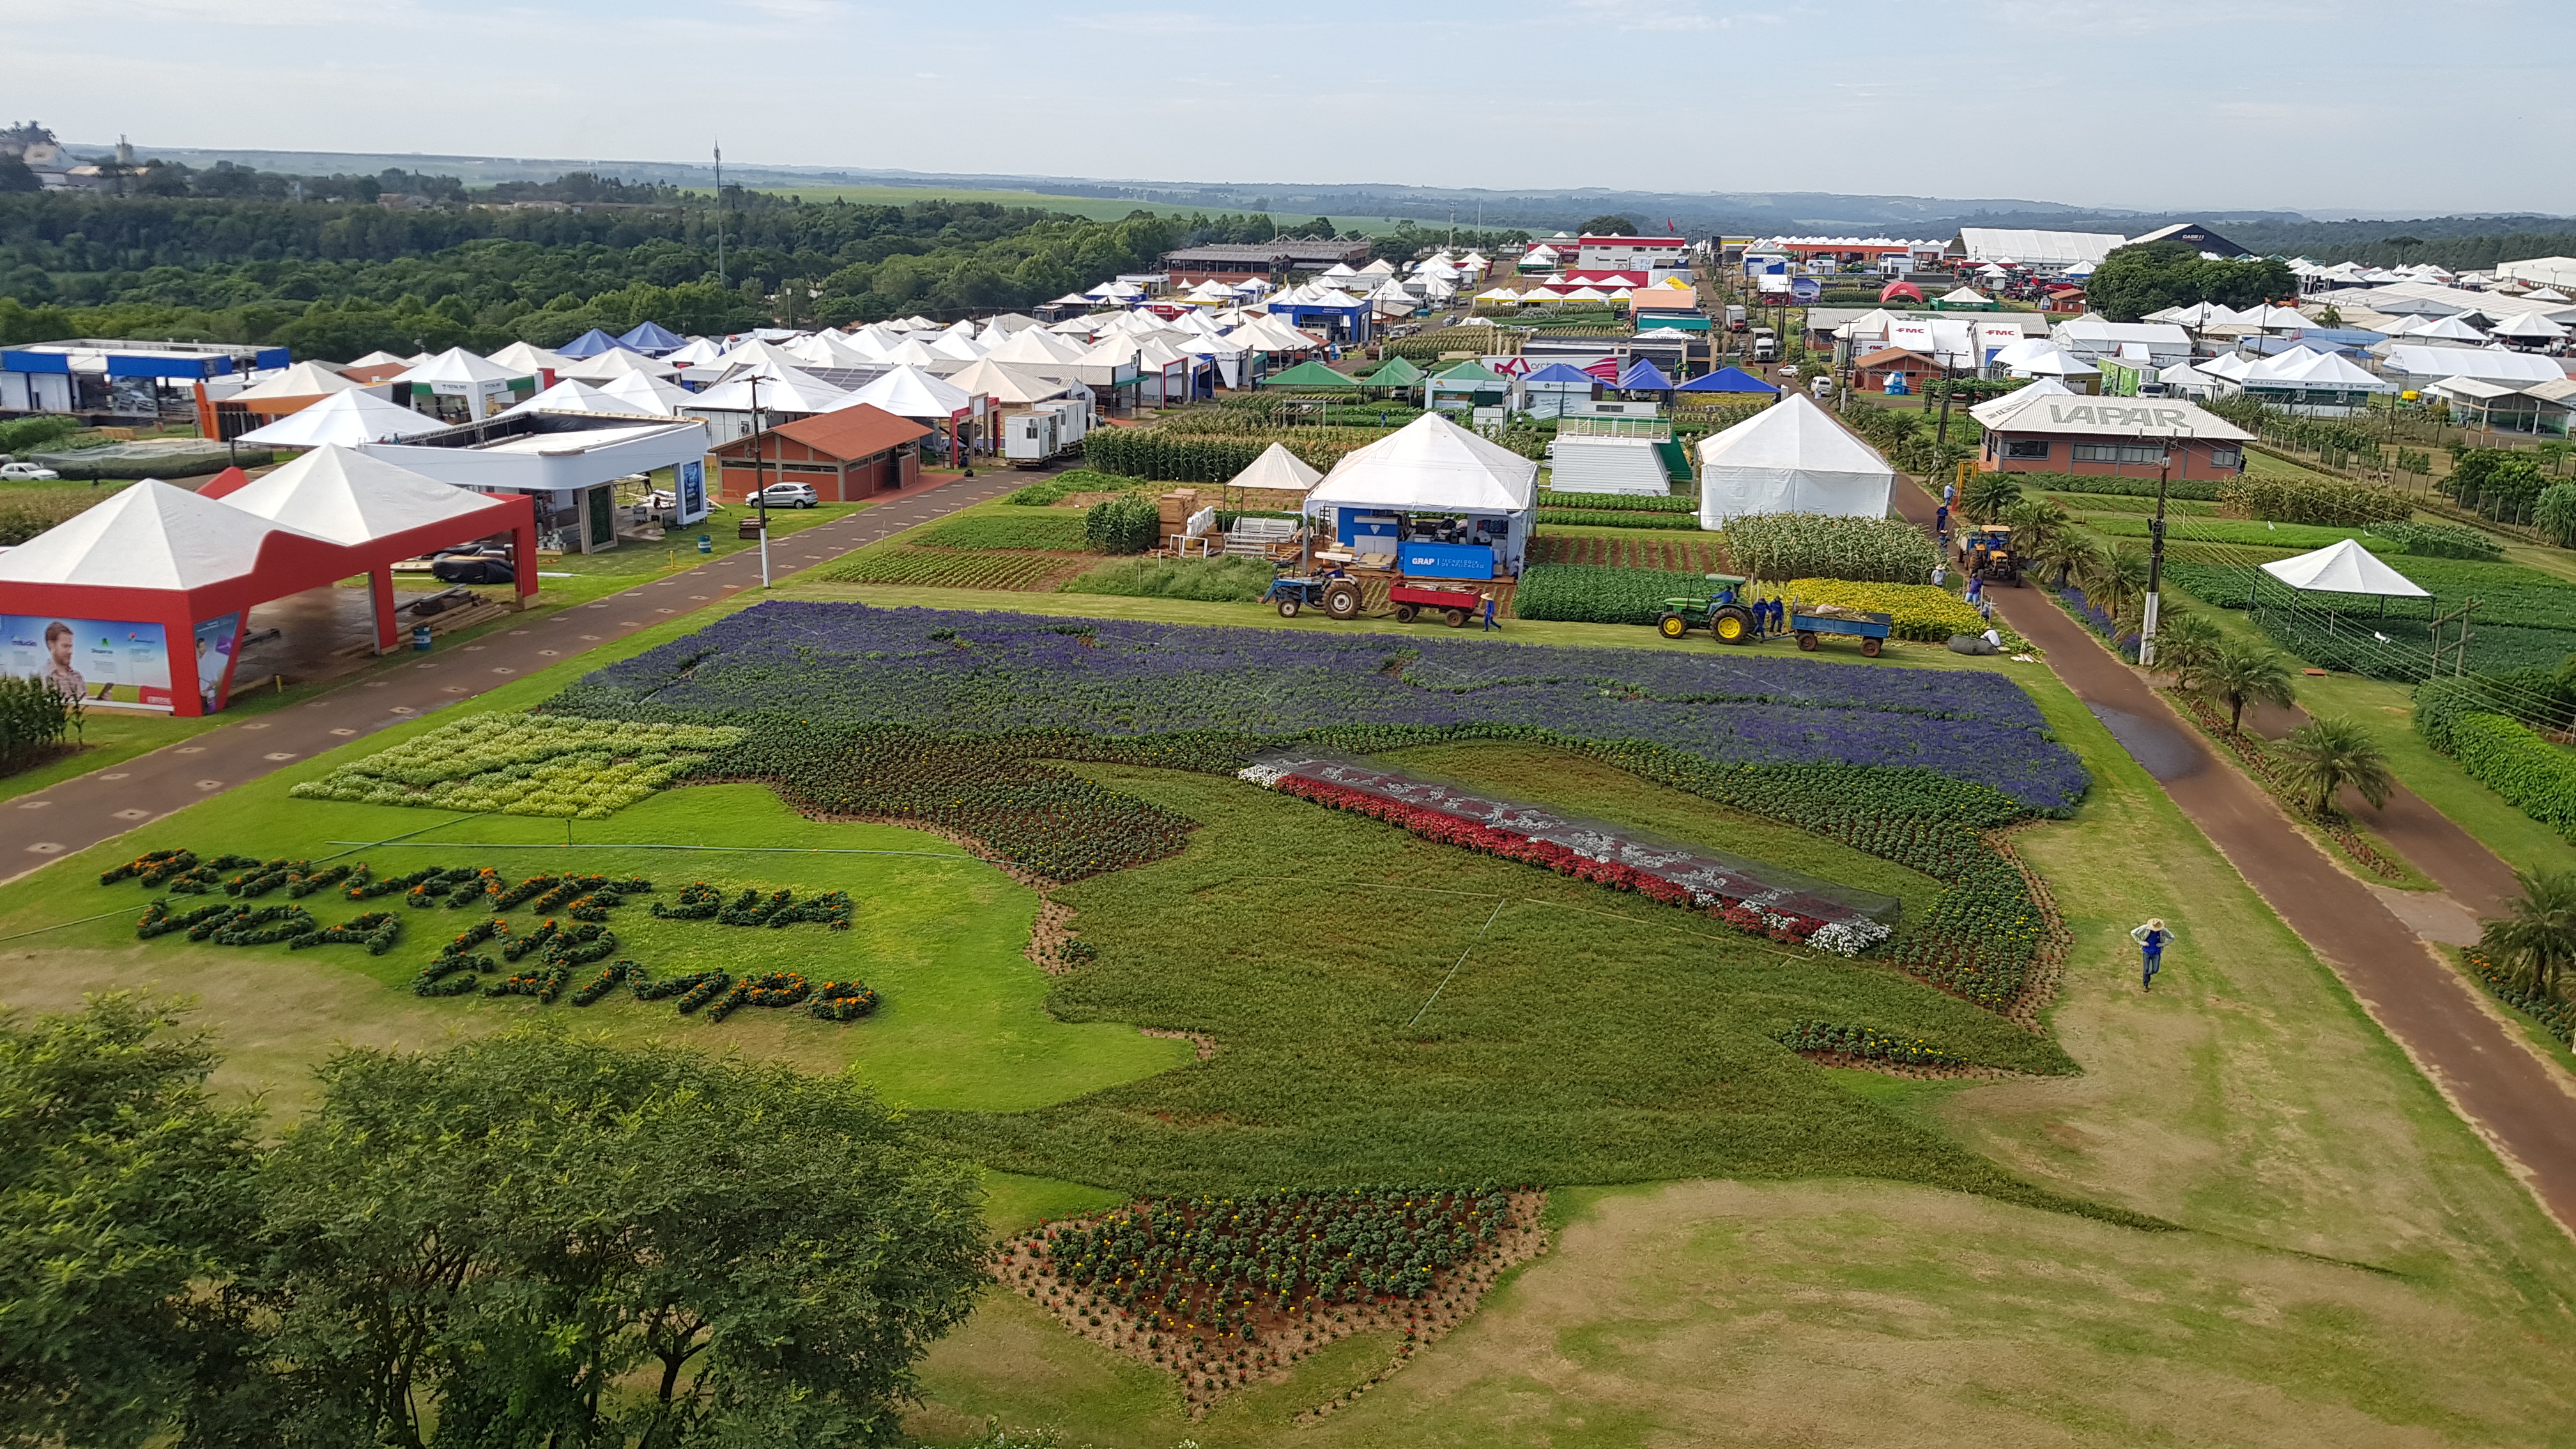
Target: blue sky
point(2375, 106)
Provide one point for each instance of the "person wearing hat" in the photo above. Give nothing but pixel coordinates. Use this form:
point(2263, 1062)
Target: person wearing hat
point(2151, 939)
point(1489, 613)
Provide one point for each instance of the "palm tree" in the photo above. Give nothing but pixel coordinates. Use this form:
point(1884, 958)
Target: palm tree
point(1988, 495)
point(2324, 755)
point(2185, 645)
point(2063, 551)
point(2244, 675)
point(2115, 577)
point(2536, 936)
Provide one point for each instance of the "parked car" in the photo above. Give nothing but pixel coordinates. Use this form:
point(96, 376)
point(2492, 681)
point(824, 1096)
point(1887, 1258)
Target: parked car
point(790, 495)
point(26, 473)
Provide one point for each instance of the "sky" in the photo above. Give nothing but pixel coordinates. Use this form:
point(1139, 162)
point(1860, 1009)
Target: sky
point(2327, 106)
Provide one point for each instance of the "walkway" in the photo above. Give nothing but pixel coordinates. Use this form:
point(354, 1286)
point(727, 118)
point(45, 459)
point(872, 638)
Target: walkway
point(87, 809)
point(2522, 1104)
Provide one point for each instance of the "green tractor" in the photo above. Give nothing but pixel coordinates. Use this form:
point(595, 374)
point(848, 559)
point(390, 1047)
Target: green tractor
point(1724, 612)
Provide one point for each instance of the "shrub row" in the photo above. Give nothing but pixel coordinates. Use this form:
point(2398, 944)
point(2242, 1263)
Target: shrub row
point(2270, 499)
point(1620, 502)
point(1818, 546)
point(2202, 490)
point(2503, 754)
point(1599, 594)
point(1593, 518)
point(1200, 458)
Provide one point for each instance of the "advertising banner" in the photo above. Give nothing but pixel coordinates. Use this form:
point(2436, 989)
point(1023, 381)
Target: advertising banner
point(100, 661)
point(218, 641)
point(1912, 336)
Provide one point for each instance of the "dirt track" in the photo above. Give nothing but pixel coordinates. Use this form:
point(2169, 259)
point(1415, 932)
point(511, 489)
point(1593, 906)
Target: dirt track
point(2523, 1105)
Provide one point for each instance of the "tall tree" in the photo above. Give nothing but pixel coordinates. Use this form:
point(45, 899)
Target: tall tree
point(505, 1238)
point(2133, 281)
point(2535, 939)
point(125, 1202)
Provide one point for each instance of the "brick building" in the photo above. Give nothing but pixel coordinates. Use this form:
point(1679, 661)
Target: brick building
point(845, 455)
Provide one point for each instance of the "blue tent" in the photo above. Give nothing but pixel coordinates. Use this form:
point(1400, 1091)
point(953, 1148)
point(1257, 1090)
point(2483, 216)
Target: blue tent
point(1559, 372)
point(1643, 376)
point(1728, 379)
point(652, 337)
point(590, 344)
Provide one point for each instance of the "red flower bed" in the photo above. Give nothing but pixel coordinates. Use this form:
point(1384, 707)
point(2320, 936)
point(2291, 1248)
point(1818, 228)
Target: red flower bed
point(1511, 845)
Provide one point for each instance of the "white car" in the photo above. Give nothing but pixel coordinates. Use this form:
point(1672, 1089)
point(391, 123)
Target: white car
point(790, 495)
point(27, 473)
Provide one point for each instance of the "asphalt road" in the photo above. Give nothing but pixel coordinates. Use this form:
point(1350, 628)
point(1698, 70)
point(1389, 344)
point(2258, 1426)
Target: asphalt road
point(82, 811)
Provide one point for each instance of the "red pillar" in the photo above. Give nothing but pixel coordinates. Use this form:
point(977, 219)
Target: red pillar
point(179, 642)
point(380, 588)
point(523, 554)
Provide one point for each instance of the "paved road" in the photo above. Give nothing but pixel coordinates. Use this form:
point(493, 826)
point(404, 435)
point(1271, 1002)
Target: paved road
point(87, 809)
point(2523, 1105)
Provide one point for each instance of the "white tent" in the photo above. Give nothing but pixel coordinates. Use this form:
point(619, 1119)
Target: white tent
point(1036, 347)
point(1967, 297)
point(572, 396)
point(1004, 383)
point(459, 373)
point(909, 392)
point(150, 536)
point(1790, 458)
point(828, 349)
point(529, 359)
point(376, 359)
point(351, 498)
point(792, 394)
point(2344, 567)
point(2418, 365)
point(698, 353)
point(346, 418)
point(304, 379)
point(644, 393)
point(2309, 370)
point(615, 363)
point(1430, 464)
point(2445, 329)
point(1277, 469)
point(2531, 327)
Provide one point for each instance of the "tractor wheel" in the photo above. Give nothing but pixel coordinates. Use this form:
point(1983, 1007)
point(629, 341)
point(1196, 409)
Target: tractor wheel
point(1342, 601)
point(1871, 647)
point(1457, 617)
point(1672, 626)
point(1807, 640)
point(1287, 608)
point(1731, 625)
point(1406, 613)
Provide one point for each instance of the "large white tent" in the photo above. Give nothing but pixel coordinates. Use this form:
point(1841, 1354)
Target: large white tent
point(698, 353)
point(1791, 458)
point(348, 497)
point(615, 363)
point(153, 535)
point(528, 359)
point(648, 394)
point(304, 380)
point(1432, 465)
point(346, 418)
point(909, 392)
point(572, 396)
point(1004, 383)
point(461, 374)
point(2344, 567)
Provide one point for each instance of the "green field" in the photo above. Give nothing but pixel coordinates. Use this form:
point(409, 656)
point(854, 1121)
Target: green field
point(1750, 1248)
point(1095, 208)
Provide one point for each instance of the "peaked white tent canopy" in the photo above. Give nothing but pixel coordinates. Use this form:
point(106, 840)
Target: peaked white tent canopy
point(2344, 567)
point(150, 536)
point(1430, 464)
point(377, 358)
point(615, 363)
point(528, 359)
point(572, 396)
point(347, 418)
point(2310, 370)
point(1277, 469)
point(303, 380)
point(791, 392)
point(909, 392)
point(1791, 458)
point(1004, 383)
point(2531, 327)
point(647, 394)
point(459, 373)
point(350, 498)
point(698, 352)
point(1036, 346)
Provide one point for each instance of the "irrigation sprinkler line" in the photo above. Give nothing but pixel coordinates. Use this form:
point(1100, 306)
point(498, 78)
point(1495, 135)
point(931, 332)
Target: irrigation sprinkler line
point(58, 925)
point(424, 830)
point(612, 845)
point(1461, 961)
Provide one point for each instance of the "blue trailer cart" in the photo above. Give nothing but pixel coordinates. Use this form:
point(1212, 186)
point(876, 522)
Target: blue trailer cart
point(1871, 629)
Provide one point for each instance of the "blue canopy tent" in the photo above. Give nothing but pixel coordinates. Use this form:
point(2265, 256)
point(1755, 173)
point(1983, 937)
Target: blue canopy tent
point(1643, 376)
point(590, 344)
point(1555, 390)
point(653, 339)
point(1728, 379)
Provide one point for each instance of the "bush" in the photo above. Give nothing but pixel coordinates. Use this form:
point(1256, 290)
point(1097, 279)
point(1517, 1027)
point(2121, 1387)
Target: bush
point(1595, 594)
point(1809, 545)
point(2450, 540)
point(2314, 500)
point(19, 435)
point(1079, 480)
point(2197, 490)
point(1215, 580)
point(1128, 523)
point(2555, 512)
point(2537, 777)
point(1035, 529)
point(35, 721)
point(1619, 502)
point(1202, 458)
point(2498, 483)
point(1615, 518)
point(26, 512)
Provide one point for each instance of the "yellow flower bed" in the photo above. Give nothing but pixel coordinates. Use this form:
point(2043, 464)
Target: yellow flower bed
point(1921, 612)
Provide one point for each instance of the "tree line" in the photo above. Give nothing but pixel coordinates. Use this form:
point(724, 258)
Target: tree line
point(530, 1239)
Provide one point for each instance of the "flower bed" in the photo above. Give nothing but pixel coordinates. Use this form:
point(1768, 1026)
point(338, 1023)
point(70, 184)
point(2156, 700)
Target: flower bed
point(1727, 890)
point(2556, 1017)
point(1919, 612)
point(514, 764)
point(1224, 1292)
point(1825, 1039)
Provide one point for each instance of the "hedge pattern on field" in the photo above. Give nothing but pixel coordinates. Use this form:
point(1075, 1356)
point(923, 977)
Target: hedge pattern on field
point(948, 568)
point(518, 764)
point(2535, 776)
point(2203, 490)
point(1619, 502)
point(1602, 518)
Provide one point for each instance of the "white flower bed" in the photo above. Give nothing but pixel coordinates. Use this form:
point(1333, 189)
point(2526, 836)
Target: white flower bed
point(523, 764)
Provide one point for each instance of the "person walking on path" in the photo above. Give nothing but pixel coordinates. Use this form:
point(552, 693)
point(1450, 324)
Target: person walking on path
point(1941, 524)
point(2151, 939)
point(1489, 614)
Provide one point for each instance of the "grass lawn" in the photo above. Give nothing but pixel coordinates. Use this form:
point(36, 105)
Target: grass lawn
point(597, 575)
point(2355, 1266)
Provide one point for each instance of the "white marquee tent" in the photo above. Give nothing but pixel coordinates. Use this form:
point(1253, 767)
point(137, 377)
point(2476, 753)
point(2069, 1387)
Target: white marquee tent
point(346, 418)
point(1791, 458)
point(1277, 469)
point(1432, 465)
point(2344, 567)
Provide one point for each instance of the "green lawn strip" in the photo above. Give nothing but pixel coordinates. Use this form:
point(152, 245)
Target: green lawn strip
point(112, 737)
point(597, 575)
point(2384, 709)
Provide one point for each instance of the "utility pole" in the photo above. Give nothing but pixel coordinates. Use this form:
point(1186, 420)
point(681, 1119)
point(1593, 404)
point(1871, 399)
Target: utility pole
point(759, 490)
point(2155, 566)
point(721, 279)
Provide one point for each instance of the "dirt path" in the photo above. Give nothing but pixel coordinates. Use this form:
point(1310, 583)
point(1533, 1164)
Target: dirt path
point(2524, 1107)
point(87, 809)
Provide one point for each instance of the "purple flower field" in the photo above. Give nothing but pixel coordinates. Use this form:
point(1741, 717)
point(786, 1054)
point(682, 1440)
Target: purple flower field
point(974, 673)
